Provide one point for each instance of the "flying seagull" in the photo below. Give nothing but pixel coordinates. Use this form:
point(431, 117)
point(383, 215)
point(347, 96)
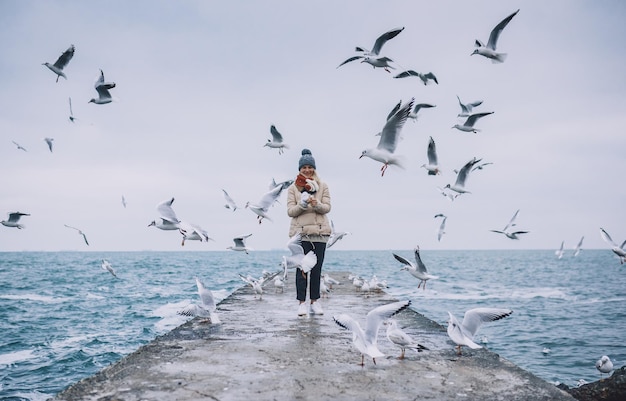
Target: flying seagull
point(461, 177)
point(468, 125)
point(72, 118)
point(61, 62)
point(413, 114)
point(432, 167)
point(442, 227)
point(79, 232)
point(277, 141)
point(262, 206)
point(230, 203)
point(168, 218)
point(13, 220)
point(107, 266)
point(389, 138)
point(417, 269)
point(463, 333)
point(240, 244)
point(378, 45)
point(102, 87)
point(298, 259)
point(507, 230)
point(192, 232)
point(579, 246)
point(559, 252)
point(466, 108)
point(489, 50)
point(20, 147)
point(206, 308)
point(335, 235)
point(49, 142)
point(366, 341)
point(425, 77)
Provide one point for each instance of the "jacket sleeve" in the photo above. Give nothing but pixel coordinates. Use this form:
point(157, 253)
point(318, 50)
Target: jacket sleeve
point(323, 206)
point(293, 208)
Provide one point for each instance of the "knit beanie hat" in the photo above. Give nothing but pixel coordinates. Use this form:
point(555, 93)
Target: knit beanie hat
point(306, 159)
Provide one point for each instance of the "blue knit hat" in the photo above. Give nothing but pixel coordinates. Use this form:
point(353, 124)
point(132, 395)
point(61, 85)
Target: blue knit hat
point(306, 159)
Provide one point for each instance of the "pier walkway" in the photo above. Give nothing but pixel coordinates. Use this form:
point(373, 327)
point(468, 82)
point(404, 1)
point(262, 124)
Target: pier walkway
point(263, 351)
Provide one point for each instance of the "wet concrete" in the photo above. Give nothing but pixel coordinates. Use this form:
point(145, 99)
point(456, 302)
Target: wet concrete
point(264, 351)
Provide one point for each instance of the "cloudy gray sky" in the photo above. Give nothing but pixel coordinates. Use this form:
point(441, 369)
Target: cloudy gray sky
point(199, 84)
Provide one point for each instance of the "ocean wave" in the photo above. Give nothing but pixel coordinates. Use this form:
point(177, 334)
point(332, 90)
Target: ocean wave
point(17, 356)
point(34, 297)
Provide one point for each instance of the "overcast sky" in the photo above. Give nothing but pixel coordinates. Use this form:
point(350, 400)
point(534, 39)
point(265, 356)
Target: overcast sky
point(199, 83)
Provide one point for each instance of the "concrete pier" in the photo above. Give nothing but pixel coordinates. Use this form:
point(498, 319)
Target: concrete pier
point(263, 351)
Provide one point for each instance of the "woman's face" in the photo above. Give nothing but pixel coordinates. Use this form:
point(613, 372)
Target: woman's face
point(307, 171)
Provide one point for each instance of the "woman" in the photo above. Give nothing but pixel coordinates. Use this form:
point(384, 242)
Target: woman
point(308, 202)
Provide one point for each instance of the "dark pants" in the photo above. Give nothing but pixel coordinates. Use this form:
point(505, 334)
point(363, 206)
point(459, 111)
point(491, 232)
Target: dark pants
point(319, 248)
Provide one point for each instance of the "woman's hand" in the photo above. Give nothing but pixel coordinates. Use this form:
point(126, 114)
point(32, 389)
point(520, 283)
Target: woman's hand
point(313, 201)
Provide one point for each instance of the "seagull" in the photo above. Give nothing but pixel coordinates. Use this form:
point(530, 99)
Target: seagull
point(426, 78)
point(400, 338)
point(620, 251)
point(489, 50)
point(463, 334)
point(468, 125)
point(388, 142)
point(432, 167)
point(330, 281)
point(192, 232)
point(49, 142)
point(413, 114)
point(102, 87)
point(61, 62)
point(257, 284)
point(13, 221)
point(378, 45)
point(604, 365)
point(72, 118)
point(206, 308)
point(277, 141)
point(298, 259)
point(123, 201)
point(559, 252)
point(240, 244)
point(230, 203)
point(366, 341)
point(506, 230)
point(418, 269)
point(168, 218)
point(262, 207)
point(481, 166)
point(19, 147)
point(379, 62)
point(466, 108)
point(578, 246)
point(80, 232)
point(283, 185)
point(335, 235)
point(442, 227)
point(461, 177)
point(107, 266)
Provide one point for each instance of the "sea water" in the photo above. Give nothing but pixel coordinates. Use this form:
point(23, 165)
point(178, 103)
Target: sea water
point(64, 318)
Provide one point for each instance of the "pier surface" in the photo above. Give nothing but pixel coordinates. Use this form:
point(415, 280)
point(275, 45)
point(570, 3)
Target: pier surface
point(263, 351)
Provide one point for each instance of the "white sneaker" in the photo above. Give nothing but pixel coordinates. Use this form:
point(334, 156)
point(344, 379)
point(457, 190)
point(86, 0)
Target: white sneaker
point(303, 309)
point(317, 308)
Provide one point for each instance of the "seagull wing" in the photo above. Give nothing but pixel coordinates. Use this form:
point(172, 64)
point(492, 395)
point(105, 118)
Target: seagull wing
point(407, 73)
point(376, 316)
point(403, 260)
point(471, 120)
point(474, 318)
point(349, 60)
point(422, 106)
point(464, 172)
point(382, 39)
point(166, 212)
point(512, 221)
point(276, 136)
point(15, 216)
point(206, 296)
point(606, 237)
point(269, 198)
point(420, 265)
point(394, 110)
point(432, 152)
point(432, 76)
point(391, 131)
point(65, 58)
point(495, 32)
